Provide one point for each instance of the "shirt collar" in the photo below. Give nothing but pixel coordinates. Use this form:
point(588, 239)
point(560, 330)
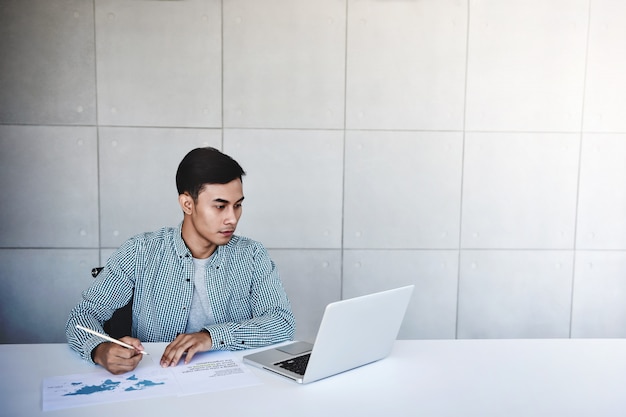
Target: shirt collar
point(183, 251)
point(181, 248)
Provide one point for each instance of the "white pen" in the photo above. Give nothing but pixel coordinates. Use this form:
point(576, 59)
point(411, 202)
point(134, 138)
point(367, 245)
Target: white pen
point(110, 339)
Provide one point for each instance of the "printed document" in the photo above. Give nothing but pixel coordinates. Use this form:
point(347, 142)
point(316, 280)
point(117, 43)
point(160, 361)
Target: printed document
point(207, 371)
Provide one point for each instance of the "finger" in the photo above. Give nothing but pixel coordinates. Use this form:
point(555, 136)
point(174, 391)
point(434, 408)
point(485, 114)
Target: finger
point(198, 342)
point(172, 358)
point(180, 349)
point(167, 354)
point(194, 348)
point(118, 365)
point(120, 368)
point(136, 343)
point(122, 352)
point(170, 353)
point(122, 364)
point(190, 352)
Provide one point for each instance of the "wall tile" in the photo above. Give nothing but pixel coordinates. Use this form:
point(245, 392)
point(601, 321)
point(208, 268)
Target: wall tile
point(159, 63)
point(38, 289)
point(519, 190)
point(515, 294)
point(138, 178)
point(432, 311)
point(284, 64)
point(48, 176)
point(106, 254)
point(605, 84)
point(293, 186)
point(47, 70)
point(312, 279)
point(526, 65)
point(602, 196)
point(402, 189)
point(599, 302)
point(409, 74)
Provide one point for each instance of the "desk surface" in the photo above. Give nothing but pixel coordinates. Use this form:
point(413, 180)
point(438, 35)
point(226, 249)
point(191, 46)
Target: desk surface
point(563, 377)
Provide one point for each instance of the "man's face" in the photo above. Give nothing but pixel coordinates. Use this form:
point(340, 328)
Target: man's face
point(213, 217)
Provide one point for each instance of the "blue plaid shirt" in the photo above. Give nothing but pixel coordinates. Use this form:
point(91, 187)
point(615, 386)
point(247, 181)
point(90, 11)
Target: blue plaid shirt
point(249, 303)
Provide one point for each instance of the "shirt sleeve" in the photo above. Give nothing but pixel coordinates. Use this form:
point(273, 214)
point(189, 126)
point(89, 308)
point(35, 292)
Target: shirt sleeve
point(270, 317)
point(111, 290)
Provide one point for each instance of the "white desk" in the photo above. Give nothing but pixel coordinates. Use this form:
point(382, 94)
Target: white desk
point(504, 378)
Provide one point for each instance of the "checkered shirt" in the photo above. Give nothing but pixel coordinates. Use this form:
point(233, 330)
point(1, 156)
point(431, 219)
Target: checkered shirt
point(156, 269)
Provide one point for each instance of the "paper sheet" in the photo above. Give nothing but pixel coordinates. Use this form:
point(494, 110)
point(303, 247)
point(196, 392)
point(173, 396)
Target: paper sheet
point(102, 387)
point(207, 372)
point(212, 371)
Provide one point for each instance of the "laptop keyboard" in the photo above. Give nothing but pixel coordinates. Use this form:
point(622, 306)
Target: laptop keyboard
point(296, 365)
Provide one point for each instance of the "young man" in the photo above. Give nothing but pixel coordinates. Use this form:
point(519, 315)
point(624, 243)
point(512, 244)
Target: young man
point(198, 286)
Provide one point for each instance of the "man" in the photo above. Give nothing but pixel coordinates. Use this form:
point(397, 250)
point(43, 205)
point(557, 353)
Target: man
point(198, 286)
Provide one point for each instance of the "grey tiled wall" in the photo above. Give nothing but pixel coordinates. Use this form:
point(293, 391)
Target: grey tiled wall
point(473, 148)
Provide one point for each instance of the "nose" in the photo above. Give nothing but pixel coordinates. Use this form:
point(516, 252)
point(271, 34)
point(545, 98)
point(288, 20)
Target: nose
point(230, 216)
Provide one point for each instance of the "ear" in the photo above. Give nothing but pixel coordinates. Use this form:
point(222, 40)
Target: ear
point(186, 203)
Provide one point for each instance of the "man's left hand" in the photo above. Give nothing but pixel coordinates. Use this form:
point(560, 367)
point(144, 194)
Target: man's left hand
point(186, 344)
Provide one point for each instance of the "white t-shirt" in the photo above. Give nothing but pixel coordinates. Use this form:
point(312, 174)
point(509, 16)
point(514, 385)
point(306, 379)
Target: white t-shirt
point(200, 312)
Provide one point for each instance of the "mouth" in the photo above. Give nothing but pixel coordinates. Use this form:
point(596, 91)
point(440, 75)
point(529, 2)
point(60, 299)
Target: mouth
point(227, 233)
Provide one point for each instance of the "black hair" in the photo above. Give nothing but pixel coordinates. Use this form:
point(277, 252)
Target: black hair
point(205, 166)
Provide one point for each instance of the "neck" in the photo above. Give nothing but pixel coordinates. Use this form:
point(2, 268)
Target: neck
point(199, 247)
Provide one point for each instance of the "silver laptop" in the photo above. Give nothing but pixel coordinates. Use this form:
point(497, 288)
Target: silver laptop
point(353, 333)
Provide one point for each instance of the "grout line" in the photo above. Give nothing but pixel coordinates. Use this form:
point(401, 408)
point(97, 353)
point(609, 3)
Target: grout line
point(97, 126)
point(460, 248)
point(580, 152)
point(595, 132)
point(339, 249)
point(343, 172)
point(222, 70)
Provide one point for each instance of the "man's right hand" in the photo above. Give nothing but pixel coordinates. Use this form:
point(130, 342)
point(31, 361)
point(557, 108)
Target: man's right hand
point(118, 359)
